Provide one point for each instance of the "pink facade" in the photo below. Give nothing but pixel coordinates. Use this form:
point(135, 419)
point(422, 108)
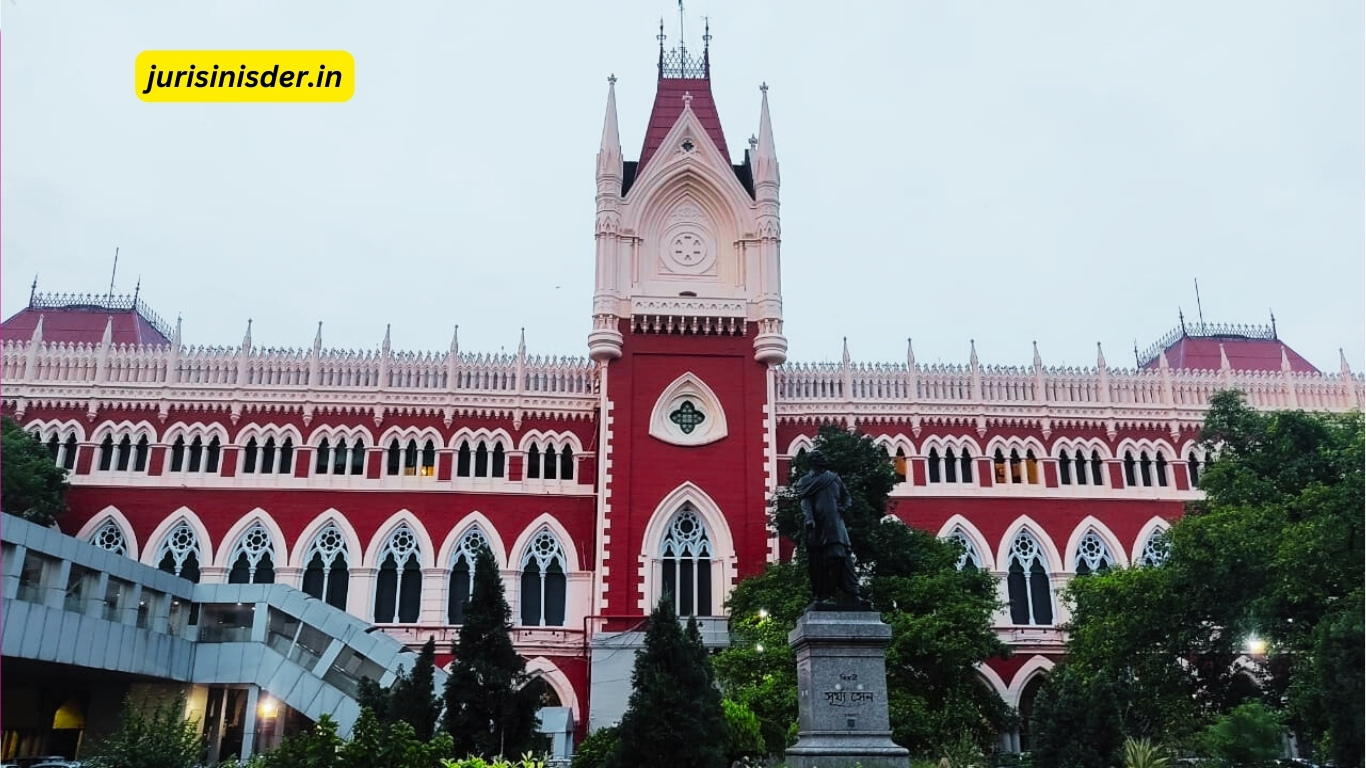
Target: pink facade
point(602, 482)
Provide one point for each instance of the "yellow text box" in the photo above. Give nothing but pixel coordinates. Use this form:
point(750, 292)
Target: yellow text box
point(244, 76)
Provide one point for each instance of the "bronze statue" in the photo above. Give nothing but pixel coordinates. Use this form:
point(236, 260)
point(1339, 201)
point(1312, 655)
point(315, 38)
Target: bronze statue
point(829, 558)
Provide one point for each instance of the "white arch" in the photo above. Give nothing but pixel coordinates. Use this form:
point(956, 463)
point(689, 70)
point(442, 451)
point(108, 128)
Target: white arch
point(553, 438)
point(546, 670)
point(956, 442)
point(404, 434)
point(311, 531)
point(688, 386)
point(1112, 543)
point(61, 429)
point(1022, 444)
point(984, 550)
point(158, 535)
point(402, 517)
point(265, 431)
point(992, 678)
point(891, 443)
point(1153, 447)
point(125, 427)
point(108, 514)
point(800, 443)
point(1085, 445)
point(279, 551)
point(1040, 534)
point(723, 544)
point(1036, 666)
point(668, 181)
point(491, 436)
point(474, 519)
point(1154, 524)
point(190, 430)
point(334, 432)
point(545, 521)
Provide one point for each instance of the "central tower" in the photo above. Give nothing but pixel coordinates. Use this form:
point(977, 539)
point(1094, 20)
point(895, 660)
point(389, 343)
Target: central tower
point(687, 327)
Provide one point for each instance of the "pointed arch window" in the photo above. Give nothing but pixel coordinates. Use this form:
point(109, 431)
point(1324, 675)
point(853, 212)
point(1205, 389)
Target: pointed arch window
point(1194, 466)
point(178, 454)
point(1156, 550)
point(398, 586)
point(686, 556)
point(533, 462)
point(1031, 596)
point(327, 575)
point(970, 560)
point(499, 459)
point(1145, 469)
point(68, 457)
point(249, 456)
point(124, 454)
point(1092, 555)
point(934, 469)
point(107, 453)
point(179, 552)
point(1097, 478)
point(950, 465)
point(1130, 470)
point(1160, 468)
point(110, 537)
point(252, 559)
point(899, 464)
point(323, 456)
point(462, 574)
point(1065, 469)
point(543, 582)
point(462, 460)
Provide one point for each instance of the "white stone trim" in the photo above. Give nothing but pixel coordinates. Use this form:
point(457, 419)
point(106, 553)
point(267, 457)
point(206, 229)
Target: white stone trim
point(1112, 543)
point(723, 559)
point(311, 531)
point(111, 514)
point(46, 429)
point(425, 550)
point(117, 430)
point(279, 554)
point(545, 521)
point(545, 669)
point(1037, 665)
point(1053, 558)
point(984, 550)
point(1154, 524)
point(168, 524)
point(689, 386)
point(475, 519)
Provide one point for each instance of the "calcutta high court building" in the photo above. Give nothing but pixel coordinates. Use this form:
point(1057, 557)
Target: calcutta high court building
point(602, 482)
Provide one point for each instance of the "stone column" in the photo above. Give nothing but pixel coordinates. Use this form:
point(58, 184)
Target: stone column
point(842, 692)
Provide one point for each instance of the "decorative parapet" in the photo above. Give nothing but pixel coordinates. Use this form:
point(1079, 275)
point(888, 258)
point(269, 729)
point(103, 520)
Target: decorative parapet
point(893, 392)
point(107, 302)
point(464, 383)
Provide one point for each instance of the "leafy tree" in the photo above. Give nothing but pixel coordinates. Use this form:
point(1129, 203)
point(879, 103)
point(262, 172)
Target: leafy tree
point(410, 698)
point(1274, 550)
point(392, 745)
point(1077, 722)
point(32, 486)
point(674, 718)
point(743, 738)
point(597, 748)
point(163, 739)
point(1247, 737)
point(491, 702)
point(316, 747)
point(941, 617)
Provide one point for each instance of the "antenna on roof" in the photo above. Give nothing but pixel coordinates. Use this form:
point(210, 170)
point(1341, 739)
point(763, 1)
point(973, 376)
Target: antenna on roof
point(1199, 310)
point(681, 43)
point(112, 274)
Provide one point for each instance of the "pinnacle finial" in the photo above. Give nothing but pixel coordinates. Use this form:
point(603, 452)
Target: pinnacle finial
point(33, 291)
point(612, 79)
point(687, 99)
point(763, 87)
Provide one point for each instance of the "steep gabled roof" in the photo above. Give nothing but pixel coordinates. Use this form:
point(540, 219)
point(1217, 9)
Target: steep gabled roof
point(1196, 347)
point(669, 106)
point(82, 319)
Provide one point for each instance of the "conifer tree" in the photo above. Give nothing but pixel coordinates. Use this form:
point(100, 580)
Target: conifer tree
point(412, 699)
point(675, 718)
point(491, 703)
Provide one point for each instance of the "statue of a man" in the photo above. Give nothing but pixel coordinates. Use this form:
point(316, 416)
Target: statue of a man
point(823, 501)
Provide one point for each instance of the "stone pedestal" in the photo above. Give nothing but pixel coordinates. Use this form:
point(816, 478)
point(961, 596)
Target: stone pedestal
point(842, 692)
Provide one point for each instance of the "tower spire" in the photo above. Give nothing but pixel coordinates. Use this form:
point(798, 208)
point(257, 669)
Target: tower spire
point(609, 151)
point(765, 156)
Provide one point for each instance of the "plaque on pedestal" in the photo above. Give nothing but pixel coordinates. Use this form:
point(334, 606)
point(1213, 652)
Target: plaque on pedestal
point(842, 692)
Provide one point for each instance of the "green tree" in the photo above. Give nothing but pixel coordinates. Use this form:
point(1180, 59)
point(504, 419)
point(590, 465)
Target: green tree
point(32, 486)
point(674, 718)
point(316, 747)
point(393, 745)
point(597, 748)
point(743, 738)
point(1274, 550)
point(490, 701)
point(163, 739)
point(1247, 737)
point(1077, 722)
point(411, 698)
point(941, 617)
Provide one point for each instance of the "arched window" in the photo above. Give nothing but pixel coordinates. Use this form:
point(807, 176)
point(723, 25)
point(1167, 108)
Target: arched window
point(899, 464)
point(1065, 469)
point(1031, 598)
point(1193, 466)
point(323, 456)
point(179, 552)
point(551, 467)
point(178, 455)
point(428, 466)
point(934, 465)
point(950, 466)
point(110, 536)
point(327, 575)
point(107, 453)
point(499, 459)
point(68, 460)
point(357, 457)
point(399, 582)
point(1130, 465)
point(543, 582)
point(140, 455)
point(252, 559)
point(124, 454)
point(965, 465)
point(686, 564)
point(1096, 477)
point(533, 462)
point(1027, 698)
point(1081, 468)
point(1145, 469)
point(462, 574)
point(1031, 467)
point(566, 463)
point(462, 460)
point(249, 456)
point(969, 560)
point(1092, 555)
point(481, 460)
point(1157, 549)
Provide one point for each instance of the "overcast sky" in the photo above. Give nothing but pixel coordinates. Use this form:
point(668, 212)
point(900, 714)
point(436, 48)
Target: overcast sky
point(1004, 172)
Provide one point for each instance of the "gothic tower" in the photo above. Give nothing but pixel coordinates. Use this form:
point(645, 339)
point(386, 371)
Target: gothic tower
point(687, 313)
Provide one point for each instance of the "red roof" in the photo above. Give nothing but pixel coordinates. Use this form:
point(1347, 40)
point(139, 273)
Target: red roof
point(669, 107)
point(1201, 353)
point(82, 324)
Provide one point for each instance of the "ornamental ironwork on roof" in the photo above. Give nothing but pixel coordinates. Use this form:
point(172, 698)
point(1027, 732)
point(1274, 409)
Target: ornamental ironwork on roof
point(678, 63)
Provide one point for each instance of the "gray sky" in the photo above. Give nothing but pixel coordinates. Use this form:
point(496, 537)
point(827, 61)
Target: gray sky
point(1005, 172)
